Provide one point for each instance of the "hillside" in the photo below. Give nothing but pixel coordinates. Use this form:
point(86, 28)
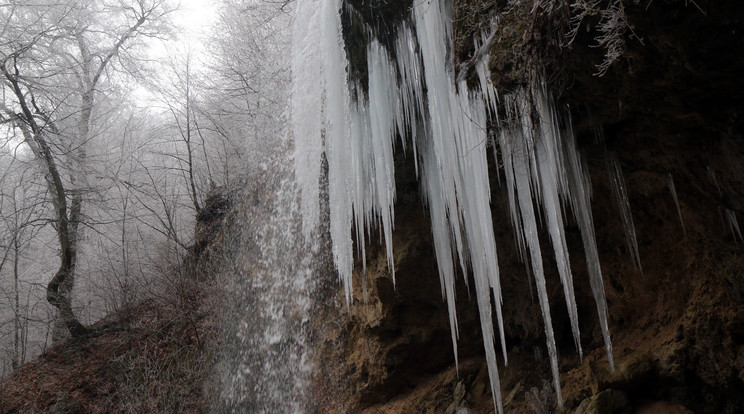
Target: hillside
point(154, 356)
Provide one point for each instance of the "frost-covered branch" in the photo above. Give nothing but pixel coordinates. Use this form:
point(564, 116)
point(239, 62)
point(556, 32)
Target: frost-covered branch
point(612, 27)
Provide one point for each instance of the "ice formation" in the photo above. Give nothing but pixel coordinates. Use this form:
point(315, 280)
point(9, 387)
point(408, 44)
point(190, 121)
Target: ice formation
point(306, 105)
point(415, 95)
point(617, 183)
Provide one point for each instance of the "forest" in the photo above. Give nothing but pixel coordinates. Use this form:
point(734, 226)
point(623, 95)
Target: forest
point(116, 125)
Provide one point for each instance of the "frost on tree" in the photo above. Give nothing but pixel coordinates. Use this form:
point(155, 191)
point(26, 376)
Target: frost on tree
point(415, 95)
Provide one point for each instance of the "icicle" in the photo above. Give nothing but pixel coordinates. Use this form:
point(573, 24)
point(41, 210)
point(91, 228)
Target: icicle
point(433, 34)
point(411, 86)
point(733, 224)
point(670, 181)
point(338, 146)
point(484, 311)
point(506, 155)
point(553, 179)
point(382, 97)
point(362, 171)
point(306, 110)
point(442, 240)
point(520, 159)
point(462, 169)
point(617, 182)
point(484, 77)
point(475, 196)
point(580, 195)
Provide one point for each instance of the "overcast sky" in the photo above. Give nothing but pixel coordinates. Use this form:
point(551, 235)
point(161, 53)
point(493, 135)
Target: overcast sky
point(196, 16)
point(193, 21)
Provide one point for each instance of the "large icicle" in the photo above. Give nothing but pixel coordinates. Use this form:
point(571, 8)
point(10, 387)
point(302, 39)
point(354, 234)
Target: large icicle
point(474, 196)
point(553, 180)
point(541, 166)
point(307, 92)
point(338, 145)
point(521, 156)
point(383, 97)
point(411, 87)
point(462, 169)
point(362, 190)
point(433, 34)
point(432, 188)
point(579, 193)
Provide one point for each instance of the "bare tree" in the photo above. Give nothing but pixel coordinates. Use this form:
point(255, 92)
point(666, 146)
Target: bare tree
point(23, 217)
point(179, 100)
point(53, 104)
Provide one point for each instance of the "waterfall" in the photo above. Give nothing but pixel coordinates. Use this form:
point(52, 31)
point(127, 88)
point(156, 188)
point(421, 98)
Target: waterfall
point(264, 362)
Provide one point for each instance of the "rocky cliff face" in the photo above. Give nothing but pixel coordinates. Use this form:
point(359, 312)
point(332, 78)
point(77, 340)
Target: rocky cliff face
point(669, 110)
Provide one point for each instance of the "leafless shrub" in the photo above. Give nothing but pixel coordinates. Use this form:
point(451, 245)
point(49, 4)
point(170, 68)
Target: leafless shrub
point(161, 378)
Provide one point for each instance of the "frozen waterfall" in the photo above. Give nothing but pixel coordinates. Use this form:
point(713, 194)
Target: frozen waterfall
point(415, 95)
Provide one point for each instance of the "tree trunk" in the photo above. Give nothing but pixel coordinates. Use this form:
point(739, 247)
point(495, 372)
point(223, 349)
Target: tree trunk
point(16, 361)
point(59, 290)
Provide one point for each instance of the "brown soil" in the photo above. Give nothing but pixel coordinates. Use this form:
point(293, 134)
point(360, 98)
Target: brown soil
point(141, 360)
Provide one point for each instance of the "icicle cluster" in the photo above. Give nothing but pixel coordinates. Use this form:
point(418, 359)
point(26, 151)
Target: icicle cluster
point(414, 94)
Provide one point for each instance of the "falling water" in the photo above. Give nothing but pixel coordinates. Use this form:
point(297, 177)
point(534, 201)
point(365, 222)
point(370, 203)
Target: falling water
point(269, 276)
